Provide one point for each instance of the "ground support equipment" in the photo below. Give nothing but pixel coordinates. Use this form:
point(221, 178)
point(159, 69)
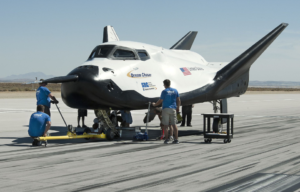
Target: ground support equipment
point(209, 134)
point(73, 135)
point(139, 136)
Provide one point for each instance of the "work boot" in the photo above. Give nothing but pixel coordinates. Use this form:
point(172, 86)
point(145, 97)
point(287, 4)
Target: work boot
point(167, 141)
point(36, 143)
point(182, 125)
point(190, 125)
point(175, 142)
point(171, 138)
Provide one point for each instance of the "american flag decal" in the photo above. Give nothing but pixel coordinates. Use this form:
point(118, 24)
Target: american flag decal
point(185, 71)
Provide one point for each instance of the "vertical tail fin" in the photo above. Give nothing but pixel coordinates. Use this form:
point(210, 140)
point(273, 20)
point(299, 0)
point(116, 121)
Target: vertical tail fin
point(109, 34)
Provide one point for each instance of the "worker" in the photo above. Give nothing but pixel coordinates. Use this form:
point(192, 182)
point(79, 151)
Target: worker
point(187, 114)
point(127, 118)
point(43, 96)
point(39, 124)
point(81, 113)
point(158, 112)
point(170, 101)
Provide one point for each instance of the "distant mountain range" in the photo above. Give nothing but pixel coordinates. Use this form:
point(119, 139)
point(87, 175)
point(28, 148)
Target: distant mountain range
point(275, 84)
point(25, 77)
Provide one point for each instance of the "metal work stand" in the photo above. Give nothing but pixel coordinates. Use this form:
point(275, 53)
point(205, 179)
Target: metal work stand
point(209, 134)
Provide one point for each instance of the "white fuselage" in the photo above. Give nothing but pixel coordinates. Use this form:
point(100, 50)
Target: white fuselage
point(186, 69)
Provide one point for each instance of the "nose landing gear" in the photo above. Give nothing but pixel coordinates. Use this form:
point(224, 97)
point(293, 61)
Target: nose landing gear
point(108, 126)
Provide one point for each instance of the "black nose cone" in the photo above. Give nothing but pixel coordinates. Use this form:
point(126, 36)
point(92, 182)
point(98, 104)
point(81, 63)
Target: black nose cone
point(82, 93)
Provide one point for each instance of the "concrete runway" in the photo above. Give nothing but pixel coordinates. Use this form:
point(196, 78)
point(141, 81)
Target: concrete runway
point(263, 156)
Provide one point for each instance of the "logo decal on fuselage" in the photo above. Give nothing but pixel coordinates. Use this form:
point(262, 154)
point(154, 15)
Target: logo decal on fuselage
point(138, 75)
point(187, 70)
point(148, 86)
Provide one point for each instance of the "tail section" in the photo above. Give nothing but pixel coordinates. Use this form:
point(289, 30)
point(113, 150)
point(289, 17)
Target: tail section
point(109, 34)
point(186, 42)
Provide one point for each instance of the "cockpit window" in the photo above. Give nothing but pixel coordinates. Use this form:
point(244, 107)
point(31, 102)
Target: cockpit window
point(101, 51)
point(124, 53)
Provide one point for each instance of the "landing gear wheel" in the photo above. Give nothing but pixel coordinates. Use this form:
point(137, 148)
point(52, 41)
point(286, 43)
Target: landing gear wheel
point(206, 140)
point(229, 141)
point(210, 140)
point(110, 135)
point(216, 125)
point(87, 130)
point(225, 140)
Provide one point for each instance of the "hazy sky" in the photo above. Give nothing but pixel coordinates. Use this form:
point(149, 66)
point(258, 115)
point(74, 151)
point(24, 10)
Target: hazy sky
point(56, 36)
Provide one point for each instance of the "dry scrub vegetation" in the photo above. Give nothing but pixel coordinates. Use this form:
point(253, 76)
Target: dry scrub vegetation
point(271, 89)
point(23, 87)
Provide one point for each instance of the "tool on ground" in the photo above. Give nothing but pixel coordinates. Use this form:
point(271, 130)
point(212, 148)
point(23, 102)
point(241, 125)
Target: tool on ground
point(71, 135)
point(143, 136)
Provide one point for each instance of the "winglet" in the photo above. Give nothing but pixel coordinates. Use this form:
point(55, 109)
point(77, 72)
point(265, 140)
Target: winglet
point(242, 63)
point(109, 34)
point(186, 42)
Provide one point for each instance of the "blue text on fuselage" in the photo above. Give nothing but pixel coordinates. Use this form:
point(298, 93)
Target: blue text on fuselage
point(140, 75)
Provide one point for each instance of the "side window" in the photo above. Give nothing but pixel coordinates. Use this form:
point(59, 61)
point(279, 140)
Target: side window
point(143, 55)
point(92, 55)
point(123, 53)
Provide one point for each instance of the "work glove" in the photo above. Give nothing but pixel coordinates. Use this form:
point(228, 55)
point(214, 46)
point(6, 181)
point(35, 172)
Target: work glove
point(54, 101)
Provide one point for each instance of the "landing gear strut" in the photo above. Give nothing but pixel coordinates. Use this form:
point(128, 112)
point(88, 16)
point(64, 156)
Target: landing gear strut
point(217, 124)
point(109, 127)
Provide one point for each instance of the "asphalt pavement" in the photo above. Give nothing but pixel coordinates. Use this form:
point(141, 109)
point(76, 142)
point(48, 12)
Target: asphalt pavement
point(263, 155)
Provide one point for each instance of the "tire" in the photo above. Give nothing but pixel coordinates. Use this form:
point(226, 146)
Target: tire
point(110, 135)
point(216, 125)
point(225, 140)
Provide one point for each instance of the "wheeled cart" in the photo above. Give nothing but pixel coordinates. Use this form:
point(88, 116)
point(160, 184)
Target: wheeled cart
point(216, 132)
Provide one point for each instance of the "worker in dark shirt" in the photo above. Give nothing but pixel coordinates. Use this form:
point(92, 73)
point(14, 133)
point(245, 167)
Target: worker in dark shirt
point(187, 115)
point(43, 96)
point(81, 114)
point(39, 124)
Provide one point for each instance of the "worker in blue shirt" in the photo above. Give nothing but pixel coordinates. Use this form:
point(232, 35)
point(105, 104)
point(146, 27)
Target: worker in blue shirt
point(39, 124)
point(170, 102)
point(43, 96)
